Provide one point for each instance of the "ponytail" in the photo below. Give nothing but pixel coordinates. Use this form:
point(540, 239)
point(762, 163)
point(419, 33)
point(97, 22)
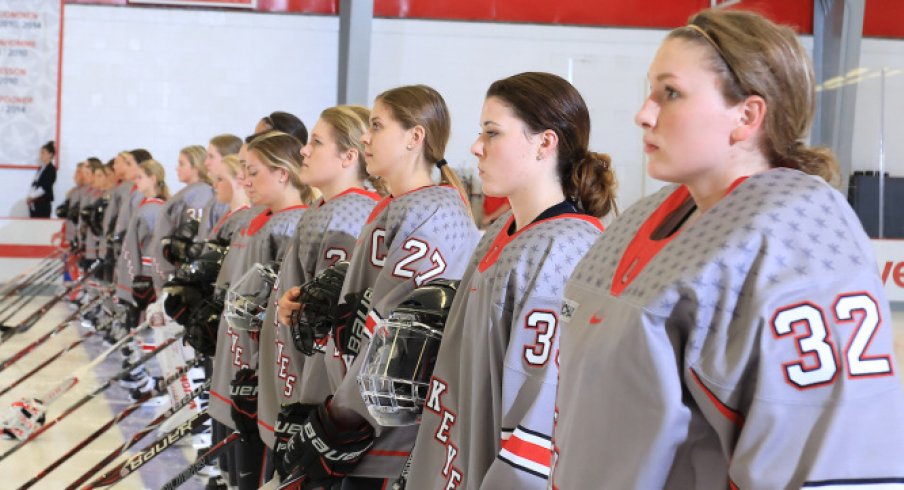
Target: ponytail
point(449, 177)
point(592, 183)
point(819, 161)
point(153, 168)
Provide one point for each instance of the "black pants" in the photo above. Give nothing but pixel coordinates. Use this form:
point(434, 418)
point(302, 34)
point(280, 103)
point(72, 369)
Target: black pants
point(39, 209)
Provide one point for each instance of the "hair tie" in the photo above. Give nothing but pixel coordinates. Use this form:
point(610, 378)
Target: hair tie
point(441, 163)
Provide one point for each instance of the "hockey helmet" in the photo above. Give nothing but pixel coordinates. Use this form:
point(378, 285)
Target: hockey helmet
point(62, 211)
point(73, 212)
point(246, 299)
point(398, 363)
point(96, 220)
point(179, 246)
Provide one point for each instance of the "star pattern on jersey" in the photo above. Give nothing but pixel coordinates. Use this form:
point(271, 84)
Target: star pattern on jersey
point(772, 230)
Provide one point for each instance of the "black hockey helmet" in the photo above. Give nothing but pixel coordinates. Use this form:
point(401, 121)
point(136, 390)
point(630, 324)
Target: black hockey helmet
point(395, 374)
point(178, 248)
point(96, 220)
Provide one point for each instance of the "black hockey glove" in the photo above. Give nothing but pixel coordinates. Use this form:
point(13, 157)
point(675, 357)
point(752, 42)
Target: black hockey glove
point(62, 211)
point(324, 452)
point(181, 297)
point(319, 300)
point(351, 324)
point(143, 291)
point(243, 391)
point(288, 423)
point(203, 323)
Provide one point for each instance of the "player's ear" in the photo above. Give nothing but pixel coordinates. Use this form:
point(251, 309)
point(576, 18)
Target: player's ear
point(751, 114)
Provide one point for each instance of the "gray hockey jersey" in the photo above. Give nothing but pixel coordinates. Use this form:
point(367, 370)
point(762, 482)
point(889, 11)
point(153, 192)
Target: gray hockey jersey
point(130, 202)
point(211, 214)
point(488, 419)
point(753, 350)
point(325, 235)
point(135, 259)
point(74, 196)
point(231, 222)
point(89, 238)
point(186, 205)
point(118, 195)
point(264, 240)
point(409, 240)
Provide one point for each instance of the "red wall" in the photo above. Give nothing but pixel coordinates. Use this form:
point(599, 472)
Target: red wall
point(883, 18)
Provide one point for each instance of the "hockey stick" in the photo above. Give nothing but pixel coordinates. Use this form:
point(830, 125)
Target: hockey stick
point(129, 466)
point(200, 463)
point(28, 276)
point(138, 436)
point(23, 299)
point(121, 342)
point(68, 383)
point(9, 361)
point(119, 417)
point(7, 331)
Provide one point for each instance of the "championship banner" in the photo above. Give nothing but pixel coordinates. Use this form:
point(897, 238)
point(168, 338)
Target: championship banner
point(248, 4)
point(30, 61)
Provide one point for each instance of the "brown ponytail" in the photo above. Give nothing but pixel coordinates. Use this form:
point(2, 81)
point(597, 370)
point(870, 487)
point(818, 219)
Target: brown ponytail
point(593, 184)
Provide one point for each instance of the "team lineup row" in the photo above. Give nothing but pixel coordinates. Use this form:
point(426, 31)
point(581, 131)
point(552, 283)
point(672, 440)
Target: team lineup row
point(728, 330)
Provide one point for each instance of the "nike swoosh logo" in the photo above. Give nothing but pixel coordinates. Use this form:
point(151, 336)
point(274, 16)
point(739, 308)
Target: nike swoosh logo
point(243, 475)
point(594, 320)
point(473, 289)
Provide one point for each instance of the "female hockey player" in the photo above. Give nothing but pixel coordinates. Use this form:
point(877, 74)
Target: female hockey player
point(219, 147)
point(421, 232)
point(271, 174)
point(488, 415)
point(730, 331)
point(334, 164)
point(178, 222)
point(134, 287)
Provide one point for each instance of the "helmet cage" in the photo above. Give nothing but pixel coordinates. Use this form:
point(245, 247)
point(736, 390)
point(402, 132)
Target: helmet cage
point(246, 300)
point(395, 374)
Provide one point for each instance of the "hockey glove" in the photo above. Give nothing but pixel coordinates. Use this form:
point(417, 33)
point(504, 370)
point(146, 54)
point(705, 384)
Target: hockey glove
point(26, 415)
point(288, 423)
point(62, 211)
point(323, 451)
point(143, 291)
point(180, 296)
point(203, 323)
point(319, 300)
point(243, 391)
point(351, 324)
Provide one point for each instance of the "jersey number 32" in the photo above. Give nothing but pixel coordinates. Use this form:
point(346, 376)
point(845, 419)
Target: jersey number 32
point(818, 362)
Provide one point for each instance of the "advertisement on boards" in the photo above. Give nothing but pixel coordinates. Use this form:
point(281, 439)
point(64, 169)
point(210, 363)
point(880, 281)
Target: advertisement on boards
point(890, 258)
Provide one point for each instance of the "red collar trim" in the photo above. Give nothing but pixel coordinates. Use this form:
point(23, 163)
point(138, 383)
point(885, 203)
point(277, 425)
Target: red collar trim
point(150, 200)
point(503, 238)
point(364, 192)
point(386, 200)
point(298, 206)
point(134, 188)
point(258, 222)
point(379, 208)
point(219, 224)
point(643, 248)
